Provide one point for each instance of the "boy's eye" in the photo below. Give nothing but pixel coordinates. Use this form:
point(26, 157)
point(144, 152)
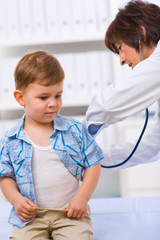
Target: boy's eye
point(58, 96)
point(43, 98)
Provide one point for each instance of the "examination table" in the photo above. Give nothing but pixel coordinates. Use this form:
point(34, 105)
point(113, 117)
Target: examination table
point(113, 218)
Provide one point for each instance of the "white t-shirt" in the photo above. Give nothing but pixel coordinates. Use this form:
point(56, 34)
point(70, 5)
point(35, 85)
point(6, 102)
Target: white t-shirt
point(54, 185)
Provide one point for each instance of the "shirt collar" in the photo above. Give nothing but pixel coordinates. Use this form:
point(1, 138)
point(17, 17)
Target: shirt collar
point(59, 124)
point(16, 130)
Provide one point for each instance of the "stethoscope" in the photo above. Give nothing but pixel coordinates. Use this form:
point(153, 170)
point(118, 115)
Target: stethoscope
point(141, 135)
point(136, 146)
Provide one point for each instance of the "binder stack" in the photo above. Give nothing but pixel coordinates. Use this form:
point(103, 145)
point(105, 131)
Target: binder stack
point(26, 25)
point(77, 10)
point(86, 73)
point(21, 20)
point(3, 20)
point(37, 12)
point(70, 88)
point(51, 18)
point(7, 67)
point(12, 15)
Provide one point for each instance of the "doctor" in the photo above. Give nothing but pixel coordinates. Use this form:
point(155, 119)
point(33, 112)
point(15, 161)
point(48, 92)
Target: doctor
point(134, 35)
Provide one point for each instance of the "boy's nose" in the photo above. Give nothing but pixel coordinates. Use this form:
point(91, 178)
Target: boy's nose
point(52, 103)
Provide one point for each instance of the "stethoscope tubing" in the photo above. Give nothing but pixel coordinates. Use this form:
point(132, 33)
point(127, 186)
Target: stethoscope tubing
point(136, 146)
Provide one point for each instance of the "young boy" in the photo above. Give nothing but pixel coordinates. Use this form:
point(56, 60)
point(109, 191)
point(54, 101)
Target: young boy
point(43, 158)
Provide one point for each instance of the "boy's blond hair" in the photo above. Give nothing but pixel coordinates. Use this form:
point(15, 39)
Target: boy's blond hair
point(40, 67)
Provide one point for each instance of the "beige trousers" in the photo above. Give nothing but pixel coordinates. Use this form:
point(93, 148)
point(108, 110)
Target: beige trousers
point(51, 224)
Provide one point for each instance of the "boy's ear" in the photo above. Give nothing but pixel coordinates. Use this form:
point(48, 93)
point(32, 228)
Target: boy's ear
point(19, 97)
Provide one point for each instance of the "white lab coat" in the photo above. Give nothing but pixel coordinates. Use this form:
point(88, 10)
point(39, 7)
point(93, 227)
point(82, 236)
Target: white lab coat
point(127, 97)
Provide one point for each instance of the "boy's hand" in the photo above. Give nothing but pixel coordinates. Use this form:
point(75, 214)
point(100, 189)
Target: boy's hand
point(77, 208)
point(25, 208)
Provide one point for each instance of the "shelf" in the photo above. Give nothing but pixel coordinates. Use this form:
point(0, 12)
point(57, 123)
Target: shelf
point(14, 112)
point(9, 107)
point(81, 37)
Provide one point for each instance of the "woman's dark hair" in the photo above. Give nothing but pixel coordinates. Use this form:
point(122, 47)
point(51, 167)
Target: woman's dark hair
point(129, 23)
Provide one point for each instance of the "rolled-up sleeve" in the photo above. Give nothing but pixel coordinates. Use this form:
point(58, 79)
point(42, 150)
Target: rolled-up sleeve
point(91, 152)
point(6, 169)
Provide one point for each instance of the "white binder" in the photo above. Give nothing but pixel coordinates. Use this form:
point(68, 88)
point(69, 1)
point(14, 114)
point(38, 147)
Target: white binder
point(52, 17)
point(103, 15)
point(37, 10)
point(95, 78)
point(12, 19)
point(77, 15)
point(60, 58)
point(67, 63)
point(64, 10)
point(26, 25)
point(5, 85)
point(114, 6)
point(3, 20)
point(91, 21)
point(106, 68)
point(81, 68)
point(7, 79)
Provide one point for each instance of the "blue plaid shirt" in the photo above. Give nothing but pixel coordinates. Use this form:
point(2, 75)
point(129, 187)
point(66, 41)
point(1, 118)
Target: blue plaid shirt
point(70, 140)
